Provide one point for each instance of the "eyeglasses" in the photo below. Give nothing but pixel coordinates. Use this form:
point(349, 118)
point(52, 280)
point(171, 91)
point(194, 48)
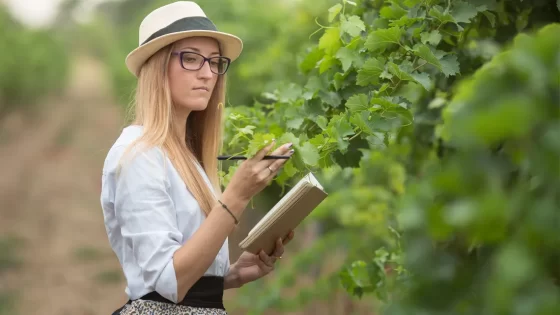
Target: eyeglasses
point(194, 61)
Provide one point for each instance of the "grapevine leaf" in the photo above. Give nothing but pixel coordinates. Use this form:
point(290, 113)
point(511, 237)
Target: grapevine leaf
point(412, 3)
point(433, 37)
point(339, 127)
point(381, 39)
point(313, 85)
point(289, 93)
point(393, 12)
point(322, 122)
point(309, 153)
point(346, 57)
point(289, 137)
point(424, 79)
point(491, 17)
point(333, 11)
point(294, 123)
point(425, 53)
point(353, 26)
point(248, 130)
point(399, 71)
point(443, 18)
point(330, 41)
point(463, 12)
point(370, 72)
point(358, 103)
point(330, 97)
point(258, 142)
point(362, 121)
point(311, 59)
point(326, 63)
point(449, 65)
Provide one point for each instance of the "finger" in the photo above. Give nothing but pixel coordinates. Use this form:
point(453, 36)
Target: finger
point(262, 152)
point(281, 150)
point(267, 260)
point(289, 237)
point(279, 250)
point(263, 266)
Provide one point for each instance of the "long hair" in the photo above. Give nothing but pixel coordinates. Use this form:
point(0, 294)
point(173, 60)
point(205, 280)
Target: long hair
point(154, 110)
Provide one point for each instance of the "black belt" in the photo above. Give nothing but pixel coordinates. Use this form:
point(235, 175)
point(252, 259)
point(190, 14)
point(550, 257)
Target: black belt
point(207, 292)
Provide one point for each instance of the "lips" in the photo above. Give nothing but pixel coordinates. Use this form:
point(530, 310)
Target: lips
point(203, 88)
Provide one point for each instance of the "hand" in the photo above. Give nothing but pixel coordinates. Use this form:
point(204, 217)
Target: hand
point(250, 267)
point(254, 174)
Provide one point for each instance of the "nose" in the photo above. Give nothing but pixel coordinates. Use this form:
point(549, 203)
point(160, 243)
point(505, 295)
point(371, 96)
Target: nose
point(205, 72)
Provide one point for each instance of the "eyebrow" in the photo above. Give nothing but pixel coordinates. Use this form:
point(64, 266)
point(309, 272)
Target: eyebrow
point(198, 50)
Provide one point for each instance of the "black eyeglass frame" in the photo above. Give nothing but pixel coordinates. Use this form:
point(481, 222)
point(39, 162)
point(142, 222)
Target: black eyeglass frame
point(181, 53)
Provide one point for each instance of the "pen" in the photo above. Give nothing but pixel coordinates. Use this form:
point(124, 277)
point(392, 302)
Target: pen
point(241, 157)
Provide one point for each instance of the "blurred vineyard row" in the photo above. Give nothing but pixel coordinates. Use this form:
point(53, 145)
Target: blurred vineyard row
point(33, 64)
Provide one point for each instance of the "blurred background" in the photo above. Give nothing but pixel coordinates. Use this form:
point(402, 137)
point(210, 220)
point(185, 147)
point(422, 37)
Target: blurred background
point(478, 215)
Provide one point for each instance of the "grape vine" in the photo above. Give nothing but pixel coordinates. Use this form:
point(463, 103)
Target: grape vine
point(436, 136)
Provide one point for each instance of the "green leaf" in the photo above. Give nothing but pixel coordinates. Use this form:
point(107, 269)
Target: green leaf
point(330, 97)
point(358, 102)
point(311, 59)
point(424, 79)
point(393, 12)
point(334, 10)
point(309, 153)
point(294, 123)
point(463, 12)
point(346, 57)
point(399, 71)
point(370, 72)
point(443, 18)
point(330, 41)
point(381, 39)
point(449, 65)
point(353, 26)
point(258, 142)
point(433, 37)
point(322, 122)
point(425, 53)
point(362, 121)
point(326, 63)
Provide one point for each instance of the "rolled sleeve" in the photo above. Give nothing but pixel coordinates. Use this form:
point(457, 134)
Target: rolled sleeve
point(146, 214)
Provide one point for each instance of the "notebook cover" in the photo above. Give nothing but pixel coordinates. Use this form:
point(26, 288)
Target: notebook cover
point(283, 224)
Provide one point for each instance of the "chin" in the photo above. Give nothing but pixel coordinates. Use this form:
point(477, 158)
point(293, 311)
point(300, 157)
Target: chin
point(196, 105)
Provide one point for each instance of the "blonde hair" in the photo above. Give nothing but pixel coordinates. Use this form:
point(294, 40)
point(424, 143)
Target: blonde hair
point(154, 110)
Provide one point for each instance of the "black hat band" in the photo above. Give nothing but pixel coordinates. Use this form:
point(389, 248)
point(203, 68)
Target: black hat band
point(192, 23)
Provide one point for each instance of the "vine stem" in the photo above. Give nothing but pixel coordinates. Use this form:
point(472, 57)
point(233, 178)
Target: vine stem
point(357, 134)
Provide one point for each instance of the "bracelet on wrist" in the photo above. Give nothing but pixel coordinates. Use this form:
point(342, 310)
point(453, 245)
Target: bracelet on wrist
point(229, 211)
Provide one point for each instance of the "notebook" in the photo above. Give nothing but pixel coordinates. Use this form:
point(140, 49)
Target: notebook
point(286, 215)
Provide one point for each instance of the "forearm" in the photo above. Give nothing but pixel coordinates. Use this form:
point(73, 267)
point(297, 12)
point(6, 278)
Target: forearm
point(197, 254)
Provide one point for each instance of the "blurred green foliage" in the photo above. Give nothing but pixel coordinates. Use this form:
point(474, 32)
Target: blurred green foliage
point(435, 127)
point(33, 64)
point(273, 32)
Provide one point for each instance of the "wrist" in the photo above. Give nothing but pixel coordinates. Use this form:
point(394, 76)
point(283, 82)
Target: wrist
point(234, 203)
point(233, 279)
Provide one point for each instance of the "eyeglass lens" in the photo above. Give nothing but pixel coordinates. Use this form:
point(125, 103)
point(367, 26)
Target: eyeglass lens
point(194, 61)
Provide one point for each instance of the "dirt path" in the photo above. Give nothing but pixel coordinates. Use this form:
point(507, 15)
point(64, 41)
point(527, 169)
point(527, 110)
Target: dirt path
point(49, 195)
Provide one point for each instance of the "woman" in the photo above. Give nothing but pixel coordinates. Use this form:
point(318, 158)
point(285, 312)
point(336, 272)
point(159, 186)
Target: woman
point(165, 215)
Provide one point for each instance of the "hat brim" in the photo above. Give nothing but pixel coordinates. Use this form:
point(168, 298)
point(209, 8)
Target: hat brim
point(230, 46)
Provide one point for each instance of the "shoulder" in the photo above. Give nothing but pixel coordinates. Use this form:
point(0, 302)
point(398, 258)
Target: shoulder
point(129, 152)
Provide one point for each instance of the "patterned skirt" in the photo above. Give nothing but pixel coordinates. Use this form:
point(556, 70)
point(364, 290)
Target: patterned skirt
point(141, 307)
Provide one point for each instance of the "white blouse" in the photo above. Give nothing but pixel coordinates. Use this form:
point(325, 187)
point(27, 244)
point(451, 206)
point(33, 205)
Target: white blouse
point(149, 213)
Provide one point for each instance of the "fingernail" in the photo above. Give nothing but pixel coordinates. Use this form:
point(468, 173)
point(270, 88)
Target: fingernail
point(291, 152)
point(289, 145)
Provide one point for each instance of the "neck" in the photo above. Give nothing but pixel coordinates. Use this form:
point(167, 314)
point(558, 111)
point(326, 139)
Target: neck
point(181, 116)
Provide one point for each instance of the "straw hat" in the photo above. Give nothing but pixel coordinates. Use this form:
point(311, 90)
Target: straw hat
point(173, 22)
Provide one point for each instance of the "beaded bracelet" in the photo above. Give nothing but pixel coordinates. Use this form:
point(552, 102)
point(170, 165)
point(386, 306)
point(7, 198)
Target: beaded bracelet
point(225, 207)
